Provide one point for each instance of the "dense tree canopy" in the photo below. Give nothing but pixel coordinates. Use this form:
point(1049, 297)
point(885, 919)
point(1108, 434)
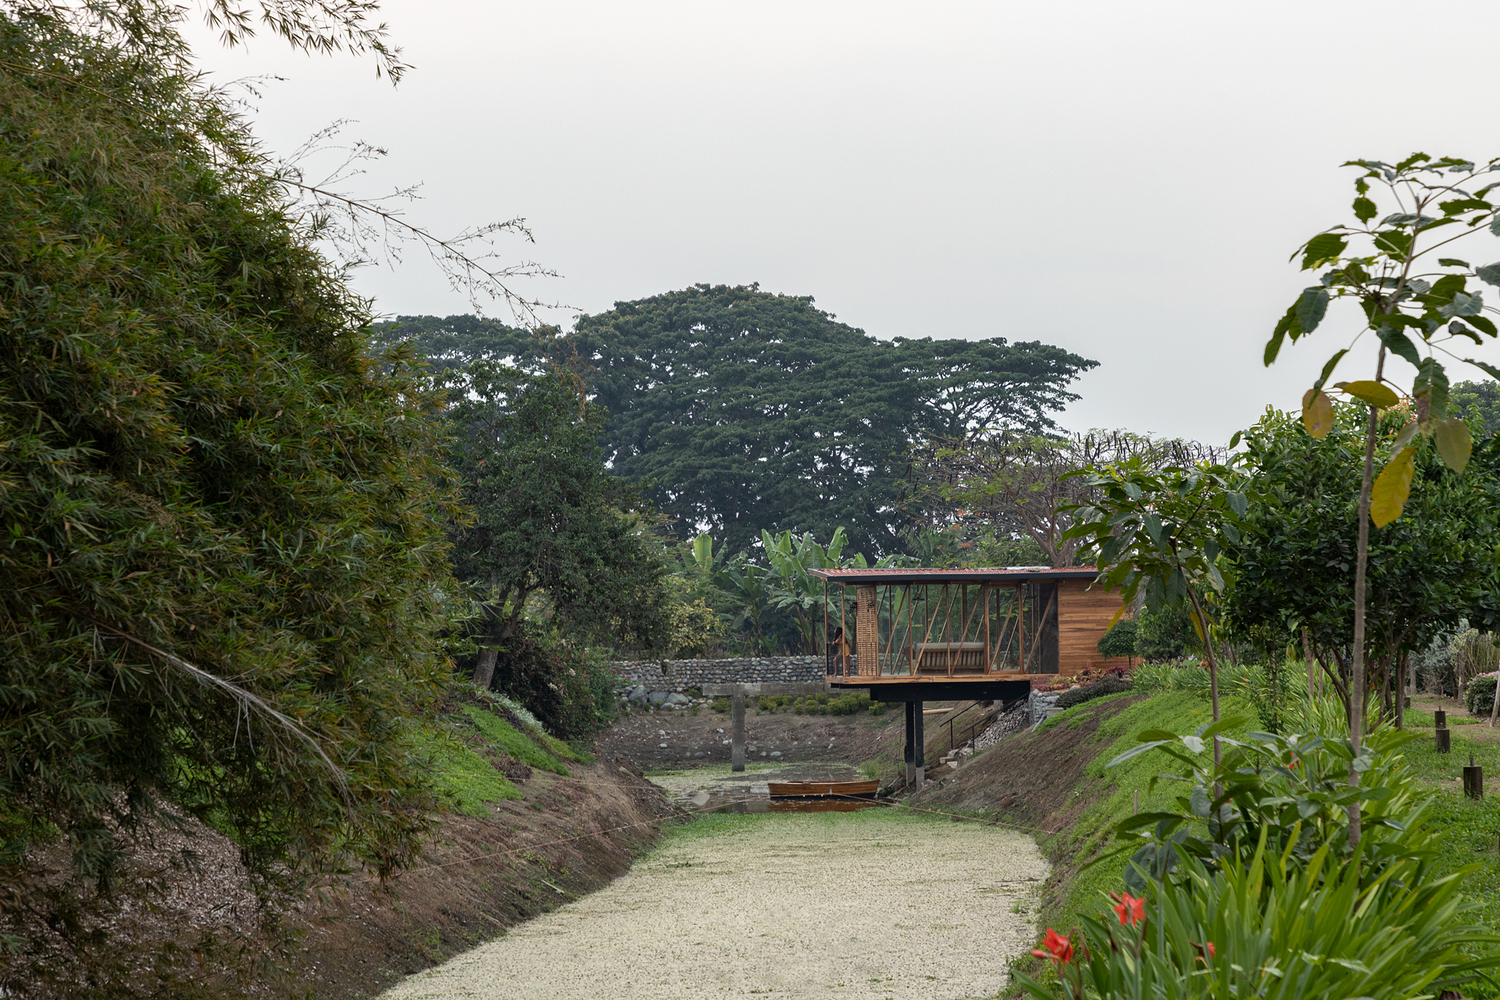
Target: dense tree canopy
point(1427, 570)
point(548, 524)
point(748, 411)
point(1024, 485)
point(223, 556)
point(1478, 403)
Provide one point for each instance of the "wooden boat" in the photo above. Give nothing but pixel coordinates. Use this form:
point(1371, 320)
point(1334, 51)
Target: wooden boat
point(822, 789)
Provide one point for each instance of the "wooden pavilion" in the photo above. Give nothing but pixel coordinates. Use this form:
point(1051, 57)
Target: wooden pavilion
point(913, 635)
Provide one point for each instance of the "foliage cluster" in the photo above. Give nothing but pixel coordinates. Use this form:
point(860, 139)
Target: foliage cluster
point(751, 412)
point(224, 564)
point(1097, 689)
point(1249, 879)
point(1427, 571)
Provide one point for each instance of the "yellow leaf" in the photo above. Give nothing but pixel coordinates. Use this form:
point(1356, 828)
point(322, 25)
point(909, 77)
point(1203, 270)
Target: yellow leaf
point(1392, 487)
point(1371, 392)
point(1317, 414)
point(1454, 443)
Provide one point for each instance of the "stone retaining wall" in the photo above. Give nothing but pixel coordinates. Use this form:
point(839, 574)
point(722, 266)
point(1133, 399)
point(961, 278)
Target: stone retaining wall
point(680, 675)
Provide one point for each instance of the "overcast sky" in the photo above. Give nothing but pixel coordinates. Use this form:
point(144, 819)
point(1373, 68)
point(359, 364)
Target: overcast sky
point(1123, 180)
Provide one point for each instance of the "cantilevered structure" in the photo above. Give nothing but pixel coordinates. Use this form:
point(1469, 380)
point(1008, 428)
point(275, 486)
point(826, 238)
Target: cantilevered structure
point(915, 635)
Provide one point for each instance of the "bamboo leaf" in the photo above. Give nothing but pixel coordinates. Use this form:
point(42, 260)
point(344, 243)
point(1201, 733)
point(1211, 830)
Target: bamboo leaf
point(1392, 487)
point(1317, 414)
point(1371, 392)
point(1454, 443)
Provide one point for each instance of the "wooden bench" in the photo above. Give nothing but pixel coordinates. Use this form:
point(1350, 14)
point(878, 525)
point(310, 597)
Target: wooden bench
point(965, 658)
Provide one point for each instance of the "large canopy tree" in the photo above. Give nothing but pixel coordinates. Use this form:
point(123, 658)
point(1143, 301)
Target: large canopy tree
point(748, 411)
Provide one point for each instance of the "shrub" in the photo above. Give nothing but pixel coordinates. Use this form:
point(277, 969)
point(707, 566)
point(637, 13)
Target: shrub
point(877, 708)
point(1292, 788)
point(1480, 696)
point(720, 705)
point(848, 704)
point(1088, 692)
point(1120, 640)
point(1266, 925)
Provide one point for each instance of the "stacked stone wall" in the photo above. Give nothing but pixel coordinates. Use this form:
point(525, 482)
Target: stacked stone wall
point(682, 675)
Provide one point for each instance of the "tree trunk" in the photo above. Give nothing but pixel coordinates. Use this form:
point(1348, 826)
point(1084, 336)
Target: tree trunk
point(484, 667)
point(1213, 671)
point(1357, 653)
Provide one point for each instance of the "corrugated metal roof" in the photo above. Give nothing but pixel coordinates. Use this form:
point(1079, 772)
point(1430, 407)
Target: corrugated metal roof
point(968, 574)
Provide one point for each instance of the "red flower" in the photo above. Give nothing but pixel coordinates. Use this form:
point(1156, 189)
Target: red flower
point(1130, 910)
point(1058, 948)
point(1210, 949)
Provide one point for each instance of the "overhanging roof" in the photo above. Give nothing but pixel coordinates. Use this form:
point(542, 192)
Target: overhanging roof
point(968, 574)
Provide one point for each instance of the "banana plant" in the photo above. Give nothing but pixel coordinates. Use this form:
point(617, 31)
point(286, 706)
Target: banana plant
point(742, 582)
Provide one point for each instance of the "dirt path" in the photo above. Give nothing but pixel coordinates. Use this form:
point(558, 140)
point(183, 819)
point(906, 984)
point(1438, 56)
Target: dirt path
point(861, 905)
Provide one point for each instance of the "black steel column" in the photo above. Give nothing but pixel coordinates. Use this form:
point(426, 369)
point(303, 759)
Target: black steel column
point(911, 728)
point(916, 711)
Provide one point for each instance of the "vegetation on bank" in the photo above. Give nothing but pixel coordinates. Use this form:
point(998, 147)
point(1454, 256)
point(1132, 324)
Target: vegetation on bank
point(1454, 836)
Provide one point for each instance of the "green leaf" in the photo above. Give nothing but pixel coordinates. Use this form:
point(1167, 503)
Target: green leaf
point(1322, 249)
point(1393, 241)
point(1371, 392)
point(1328, 368)
point(1399, 344)
point(1284, 326)
point(1454, 443)
point(1432, 384)
point(1364, 209)
point(1482, 323)
point(1452, 262)
point(1488, 368)
point(1317, 414)
point(1405, 436)
point(1467, 305)
point(1457, 329)
point(1458, 205)
point(1392, 487)
point(1236, 501)
point(1495, 223)
point(1311, 307)
point(1488, 273)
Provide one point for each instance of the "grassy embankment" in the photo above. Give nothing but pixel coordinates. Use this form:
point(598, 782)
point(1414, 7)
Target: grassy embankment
point(470, 749)
point(1468, 831)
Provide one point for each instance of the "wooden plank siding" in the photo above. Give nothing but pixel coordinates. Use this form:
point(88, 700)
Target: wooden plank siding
point(1083, 616)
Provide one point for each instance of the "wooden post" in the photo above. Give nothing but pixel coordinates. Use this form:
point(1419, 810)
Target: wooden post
point(1473, 780)
point(737, 747)
point(1443, 745)
point(1440, 718)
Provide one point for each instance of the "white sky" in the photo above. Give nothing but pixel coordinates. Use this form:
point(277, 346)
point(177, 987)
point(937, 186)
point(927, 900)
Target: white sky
point(1123, 180)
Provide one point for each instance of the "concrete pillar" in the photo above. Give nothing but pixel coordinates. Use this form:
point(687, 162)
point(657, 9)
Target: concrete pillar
point(737, 747)
point(921, 762)
point(910, 756)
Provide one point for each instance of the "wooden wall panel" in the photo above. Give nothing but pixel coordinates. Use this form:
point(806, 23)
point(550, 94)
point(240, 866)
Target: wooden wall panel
point(1083, 616)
